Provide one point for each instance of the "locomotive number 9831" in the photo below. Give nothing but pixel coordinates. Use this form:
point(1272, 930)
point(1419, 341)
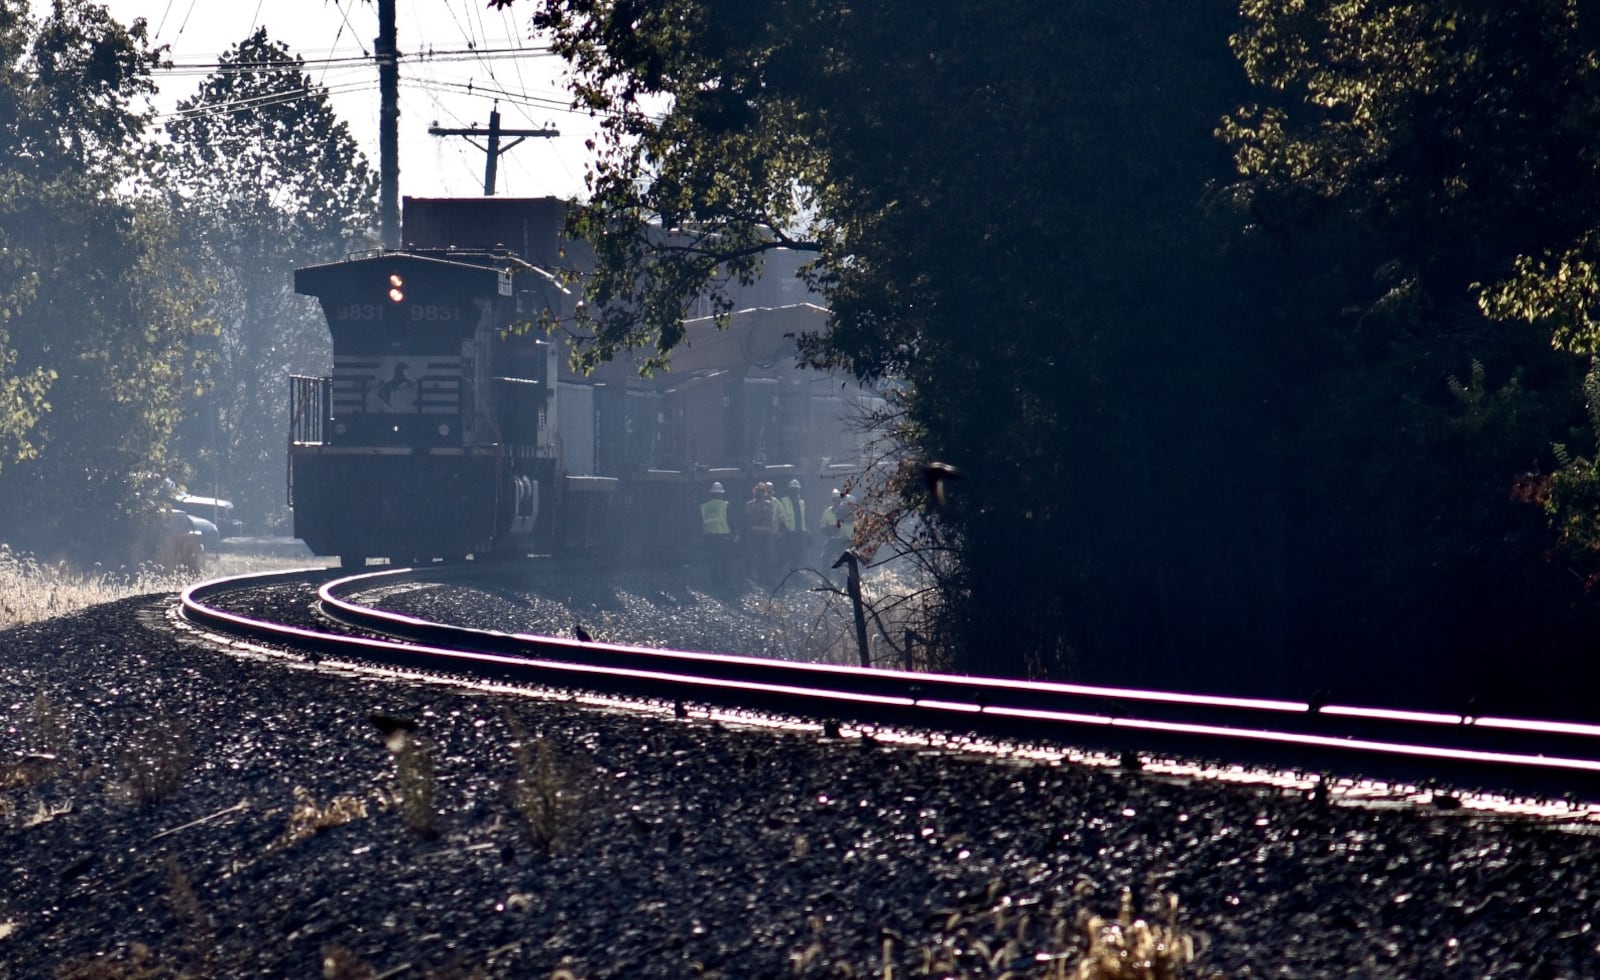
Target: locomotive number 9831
point(375, 312)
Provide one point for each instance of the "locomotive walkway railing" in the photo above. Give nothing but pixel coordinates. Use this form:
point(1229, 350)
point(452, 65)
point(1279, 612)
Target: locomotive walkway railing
point(308, 408)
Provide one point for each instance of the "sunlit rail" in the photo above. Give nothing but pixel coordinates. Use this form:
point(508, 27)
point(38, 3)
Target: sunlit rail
point(1553, 757)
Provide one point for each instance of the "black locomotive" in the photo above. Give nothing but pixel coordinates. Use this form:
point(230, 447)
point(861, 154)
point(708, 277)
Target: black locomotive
point(441, 433)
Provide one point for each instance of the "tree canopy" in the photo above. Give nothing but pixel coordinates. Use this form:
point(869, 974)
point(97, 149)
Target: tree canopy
point(1231, 410)
point(99, 311)
point(265, 178)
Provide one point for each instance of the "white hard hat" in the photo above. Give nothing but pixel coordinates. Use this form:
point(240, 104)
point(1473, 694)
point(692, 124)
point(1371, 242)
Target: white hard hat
point(716, 488)
point(794, 484)
point(835, 491)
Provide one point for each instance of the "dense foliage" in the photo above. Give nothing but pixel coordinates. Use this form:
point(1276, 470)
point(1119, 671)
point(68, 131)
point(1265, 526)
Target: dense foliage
point(146, 313)
point(265, 179)
point(1444, 155)
point(98, 309)
point(1230, 411)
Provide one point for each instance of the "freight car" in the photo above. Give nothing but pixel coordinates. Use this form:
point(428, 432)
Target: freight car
point(442, 433)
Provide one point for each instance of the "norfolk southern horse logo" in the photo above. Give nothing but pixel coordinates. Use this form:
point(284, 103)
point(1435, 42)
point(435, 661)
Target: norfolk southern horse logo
point(395, 393)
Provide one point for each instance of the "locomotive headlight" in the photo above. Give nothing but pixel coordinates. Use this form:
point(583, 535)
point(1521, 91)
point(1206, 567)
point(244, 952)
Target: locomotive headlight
point(444, 430)
point(397, 288)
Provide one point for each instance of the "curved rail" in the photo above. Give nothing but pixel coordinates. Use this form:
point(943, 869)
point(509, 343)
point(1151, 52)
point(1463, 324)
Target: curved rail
point(1507, 754)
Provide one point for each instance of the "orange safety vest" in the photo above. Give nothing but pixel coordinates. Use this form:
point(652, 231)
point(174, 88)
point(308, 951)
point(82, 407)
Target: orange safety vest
point(761, 516)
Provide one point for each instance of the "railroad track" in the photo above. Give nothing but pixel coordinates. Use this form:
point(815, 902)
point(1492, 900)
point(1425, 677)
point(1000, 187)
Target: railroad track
point(1499, 755)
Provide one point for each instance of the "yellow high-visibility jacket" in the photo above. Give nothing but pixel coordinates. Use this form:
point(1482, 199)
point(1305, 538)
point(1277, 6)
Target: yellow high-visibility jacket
point(714, 516)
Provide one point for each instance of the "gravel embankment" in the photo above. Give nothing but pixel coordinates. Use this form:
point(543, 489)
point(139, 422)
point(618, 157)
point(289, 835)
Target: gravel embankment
point(164, 839)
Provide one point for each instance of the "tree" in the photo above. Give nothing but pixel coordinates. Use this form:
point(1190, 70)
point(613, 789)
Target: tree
point(1459, 132)
point(99, 310)
point(1442, 155)
point(266, 178)
point(1004, 202)
point(1207, 394)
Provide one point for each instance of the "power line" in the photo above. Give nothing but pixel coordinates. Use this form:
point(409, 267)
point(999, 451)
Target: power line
point(186, 18)
point(344, 15)
point(364, 60)
point(163, 22)
point(364, 84)
point(515, 98)
point(263, 101)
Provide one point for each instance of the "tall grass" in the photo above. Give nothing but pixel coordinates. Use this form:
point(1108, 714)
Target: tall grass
point(32, 590)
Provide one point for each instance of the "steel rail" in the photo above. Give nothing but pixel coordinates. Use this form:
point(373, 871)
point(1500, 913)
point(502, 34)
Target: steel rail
point(1505, 754)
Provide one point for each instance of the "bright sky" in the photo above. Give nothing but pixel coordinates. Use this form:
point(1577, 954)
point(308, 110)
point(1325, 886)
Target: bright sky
point(478, 56)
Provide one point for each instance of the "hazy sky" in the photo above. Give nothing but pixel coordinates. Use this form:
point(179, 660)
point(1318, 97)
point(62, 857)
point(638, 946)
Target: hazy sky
point(490, 51)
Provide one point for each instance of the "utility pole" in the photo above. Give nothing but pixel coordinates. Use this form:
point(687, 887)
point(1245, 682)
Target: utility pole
point(387, 53)
point(494, 149)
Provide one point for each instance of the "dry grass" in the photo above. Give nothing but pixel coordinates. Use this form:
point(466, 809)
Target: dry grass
point(545, 791)
point(814, 623)
point(1041, 938)
point(157, 756)
point(1135, 948)
point(307, 818)
point(32, 590)
point(416, 781)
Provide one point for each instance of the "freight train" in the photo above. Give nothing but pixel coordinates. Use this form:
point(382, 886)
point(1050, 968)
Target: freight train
point(445, 431)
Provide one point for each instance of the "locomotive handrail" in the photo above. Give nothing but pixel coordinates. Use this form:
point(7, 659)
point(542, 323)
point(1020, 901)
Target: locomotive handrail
point(309, 402)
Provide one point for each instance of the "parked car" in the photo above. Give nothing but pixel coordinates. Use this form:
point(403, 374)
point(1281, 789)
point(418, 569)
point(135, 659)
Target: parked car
point(180, 543)
point(216, 513)
point(210, 536)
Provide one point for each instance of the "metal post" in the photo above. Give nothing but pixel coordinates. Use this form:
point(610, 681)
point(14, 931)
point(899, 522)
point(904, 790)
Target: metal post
point(853, 588)
point(493, 156)
point(387, 53)
point(494, 149)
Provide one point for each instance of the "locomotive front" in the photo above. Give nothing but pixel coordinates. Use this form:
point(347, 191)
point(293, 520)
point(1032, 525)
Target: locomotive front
point(434, 433)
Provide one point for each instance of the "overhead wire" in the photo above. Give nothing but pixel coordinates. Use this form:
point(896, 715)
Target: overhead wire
point(469, 166)
point(332, 70)
point(179, 68)
point(509, 24)
point(471, 38)
point(322, 77)
point(337, 34)
point(186, 18)
point(345, 16)
point(264, 101)
point(513, 98)
point(441, 109)
point(163, 22)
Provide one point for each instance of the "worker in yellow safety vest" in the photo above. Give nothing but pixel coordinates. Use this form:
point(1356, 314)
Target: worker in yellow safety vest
point(830, 527)
point(717, 535)
point(795, 528)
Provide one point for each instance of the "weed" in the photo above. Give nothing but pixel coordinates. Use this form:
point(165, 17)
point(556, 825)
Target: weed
point(991, 934)
point(544, 792)
point(415, 782)
point(137, 963)
point(27, 772)
point(186, 907)
point(339, 963)
point(307, 818)
point(1135, 949)
point(156, 757)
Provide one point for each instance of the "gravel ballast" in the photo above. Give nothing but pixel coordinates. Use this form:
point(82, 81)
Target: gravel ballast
point(169, 809)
